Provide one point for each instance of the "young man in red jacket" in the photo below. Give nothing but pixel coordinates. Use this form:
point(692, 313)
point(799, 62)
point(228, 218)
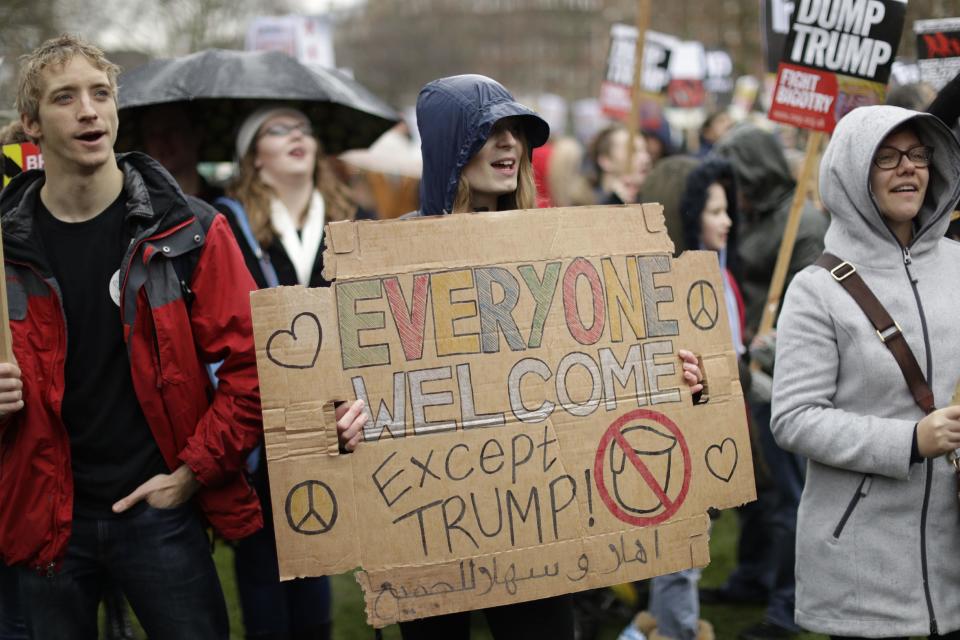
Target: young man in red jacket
point(115, 448)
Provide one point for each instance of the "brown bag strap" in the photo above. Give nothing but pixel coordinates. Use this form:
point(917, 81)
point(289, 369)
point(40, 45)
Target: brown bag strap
point(888, 331)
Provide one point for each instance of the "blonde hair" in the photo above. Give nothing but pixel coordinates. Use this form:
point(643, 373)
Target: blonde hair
point(56, 52)
point(525, 197)
point(255, 195)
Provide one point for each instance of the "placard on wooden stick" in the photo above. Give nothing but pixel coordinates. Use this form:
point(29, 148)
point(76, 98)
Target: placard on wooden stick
point(838, 56)
point(530, 434)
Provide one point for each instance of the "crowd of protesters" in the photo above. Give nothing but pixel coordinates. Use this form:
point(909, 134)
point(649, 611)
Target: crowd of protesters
point(129, 408)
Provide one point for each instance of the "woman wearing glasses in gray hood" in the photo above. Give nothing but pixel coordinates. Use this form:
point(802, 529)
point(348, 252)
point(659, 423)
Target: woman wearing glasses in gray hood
point(879, 524)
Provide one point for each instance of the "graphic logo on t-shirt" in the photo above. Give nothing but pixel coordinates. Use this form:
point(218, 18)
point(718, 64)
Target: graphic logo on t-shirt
point(115, 287)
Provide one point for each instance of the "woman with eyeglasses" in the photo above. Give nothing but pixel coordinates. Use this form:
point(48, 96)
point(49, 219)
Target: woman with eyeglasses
point(284, 194)
point(879, 522)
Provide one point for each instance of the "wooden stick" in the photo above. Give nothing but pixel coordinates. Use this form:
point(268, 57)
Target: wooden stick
point(643, 23)
point(6, 349)
point(775, 293)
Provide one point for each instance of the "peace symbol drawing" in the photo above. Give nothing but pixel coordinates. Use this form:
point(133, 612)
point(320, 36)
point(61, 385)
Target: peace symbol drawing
point(311, 508)
point(702, 305)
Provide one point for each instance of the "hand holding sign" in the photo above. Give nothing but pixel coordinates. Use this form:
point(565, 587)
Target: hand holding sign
point(350, 421)
point(11, 388)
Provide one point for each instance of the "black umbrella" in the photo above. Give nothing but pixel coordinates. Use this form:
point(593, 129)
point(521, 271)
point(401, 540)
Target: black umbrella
point(221, 87)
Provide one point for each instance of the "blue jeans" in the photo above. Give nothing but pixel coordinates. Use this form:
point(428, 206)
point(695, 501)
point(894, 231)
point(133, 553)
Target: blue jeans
point(272, 609)
point(675, 603)
point(160, 559)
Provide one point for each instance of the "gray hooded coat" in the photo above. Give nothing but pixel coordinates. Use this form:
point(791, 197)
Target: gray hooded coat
point(878, 538)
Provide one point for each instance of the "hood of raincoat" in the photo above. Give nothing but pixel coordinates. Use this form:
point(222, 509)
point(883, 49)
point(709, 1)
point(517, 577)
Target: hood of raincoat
point(455, 116)
point(858, 232)
point(763, 175)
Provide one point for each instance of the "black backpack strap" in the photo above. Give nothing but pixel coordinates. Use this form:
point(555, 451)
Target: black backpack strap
point(888, 331)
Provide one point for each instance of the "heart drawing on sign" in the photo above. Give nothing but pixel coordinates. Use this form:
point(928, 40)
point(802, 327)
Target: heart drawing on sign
point(722, 460)
point(299, 347)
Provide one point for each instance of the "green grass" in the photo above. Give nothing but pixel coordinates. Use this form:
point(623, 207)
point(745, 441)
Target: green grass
point(349, 619)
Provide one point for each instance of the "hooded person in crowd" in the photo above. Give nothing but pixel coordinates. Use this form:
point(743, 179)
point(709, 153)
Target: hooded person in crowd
point(707, 208)
point(879, 514)
point(766, 187)
point(476, 142)
point(768, 527)
point(282, 197)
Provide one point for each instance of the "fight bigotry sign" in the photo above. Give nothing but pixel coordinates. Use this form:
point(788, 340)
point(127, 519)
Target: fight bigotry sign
point(530, 433)
point(837, 57)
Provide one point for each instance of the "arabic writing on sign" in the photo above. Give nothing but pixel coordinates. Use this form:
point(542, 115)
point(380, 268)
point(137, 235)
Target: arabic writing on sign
point(482, 576)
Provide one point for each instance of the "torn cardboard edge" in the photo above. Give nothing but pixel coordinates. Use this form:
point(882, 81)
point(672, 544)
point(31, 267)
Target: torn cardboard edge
point(371, 248)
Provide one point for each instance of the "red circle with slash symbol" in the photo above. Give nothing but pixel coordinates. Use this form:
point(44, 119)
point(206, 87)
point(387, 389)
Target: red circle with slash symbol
point(613, 436)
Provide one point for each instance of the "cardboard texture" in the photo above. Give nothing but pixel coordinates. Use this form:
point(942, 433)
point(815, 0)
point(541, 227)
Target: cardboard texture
point(530, 432)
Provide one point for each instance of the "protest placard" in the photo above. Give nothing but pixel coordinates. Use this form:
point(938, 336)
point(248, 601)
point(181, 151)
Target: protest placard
point(938, 50)
point(530, 433)
point(616, 89)
point(838, 55)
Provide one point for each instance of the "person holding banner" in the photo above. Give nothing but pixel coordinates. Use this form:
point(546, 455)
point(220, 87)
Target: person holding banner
point(117, 450)
point(477, 143)
point(879, 521)
point(282, 197)
point(707, 207)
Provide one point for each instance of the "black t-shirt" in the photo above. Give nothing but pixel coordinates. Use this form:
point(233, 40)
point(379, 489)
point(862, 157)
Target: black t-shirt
point(112, 449)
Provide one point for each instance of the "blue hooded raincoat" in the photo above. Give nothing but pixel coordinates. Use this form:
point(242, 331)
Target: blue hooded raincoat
point(455, 116)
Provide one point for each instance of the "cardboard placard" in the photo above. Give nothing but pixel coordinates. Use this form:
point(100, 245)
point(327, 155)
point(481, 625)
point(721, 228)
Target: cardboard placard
point(18, 158)
point(938, 50)
point(838, 55)
point(530, 433)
